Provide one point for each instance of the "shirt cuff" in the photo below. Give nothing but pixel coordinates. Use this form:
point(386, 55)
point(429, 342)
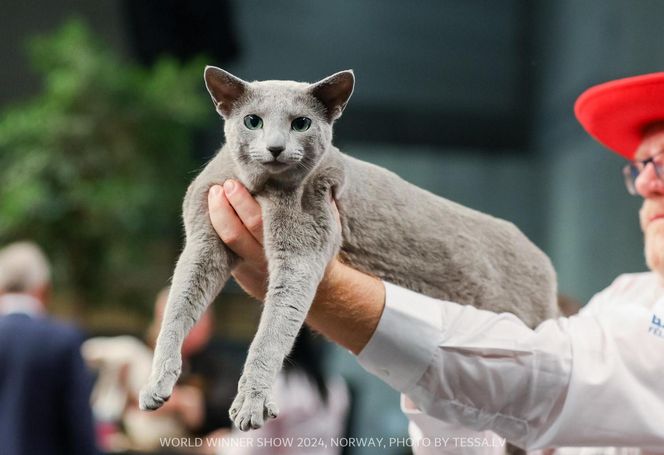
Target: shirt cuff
point(408, 333)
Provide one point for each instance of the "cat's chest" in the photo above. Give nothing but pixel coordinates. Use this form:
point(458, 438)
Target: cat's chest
point(278, 203)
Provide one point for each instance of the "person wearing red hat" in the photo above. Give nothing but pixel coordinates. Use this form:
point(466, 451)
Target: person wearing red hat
point(470, 377)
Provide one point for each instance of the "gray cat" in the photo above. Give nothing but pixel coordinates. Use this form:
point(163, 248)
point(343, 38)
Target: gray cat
point(279, 145)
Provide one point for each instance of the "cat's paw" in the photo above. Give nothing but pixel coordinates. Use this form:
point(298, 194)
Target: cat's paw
point(157, 392)
point(251, 408)
point(151, 398)
point(160, 386)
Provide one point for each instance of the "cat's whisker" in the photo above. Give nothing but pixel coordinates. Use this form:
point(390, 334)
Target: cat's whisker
point(303, 165)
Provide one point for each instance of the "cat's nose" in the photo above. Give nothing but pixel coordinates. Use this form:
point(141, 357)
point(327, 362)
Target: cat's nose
point(276, 150)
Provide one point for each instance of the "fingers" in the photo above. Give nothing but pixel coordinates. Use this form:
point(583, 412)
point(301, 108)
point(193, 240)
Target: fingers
point(246, 208)
point(230, 228)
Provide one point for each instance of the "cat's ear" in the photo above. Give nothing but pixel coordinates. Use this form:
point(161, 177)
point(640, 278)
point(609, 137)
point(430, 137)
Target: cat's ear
point(334, 92)
point(225, 89)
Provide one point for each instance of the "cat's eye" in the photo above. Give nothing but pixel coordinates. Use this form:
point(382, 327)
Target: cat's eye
point(253, 122)
point(301, 124)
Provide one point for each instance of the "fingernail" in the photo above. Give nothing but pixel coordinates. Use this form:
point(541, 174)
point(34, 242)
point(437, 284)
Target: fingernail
point(229, 186)
point(215, 190)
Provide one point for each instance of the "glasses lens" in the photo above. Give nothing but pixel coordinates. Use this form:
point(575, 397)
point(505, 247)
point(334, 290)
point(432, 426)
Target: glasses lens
point(630, 173)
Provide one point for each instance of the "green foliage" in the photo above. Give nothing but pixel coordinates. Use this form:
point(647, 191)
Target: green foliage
point(95, 167)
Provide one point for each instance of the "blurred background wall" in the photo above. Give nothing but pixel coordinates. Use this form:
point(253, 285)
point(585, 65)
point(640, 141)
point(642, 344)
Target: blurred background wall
point(470, 99)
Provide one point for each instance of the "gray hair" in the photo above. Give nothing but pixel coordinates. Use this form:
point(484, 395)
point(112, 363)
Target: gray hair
point(23, 268)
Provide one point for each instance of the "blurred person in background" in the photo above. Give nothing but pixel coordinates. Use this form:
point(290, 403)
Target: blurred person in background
point(200, 401)
point(44, 384)
point(591, 380)
point(312, 406)
point(123, 364)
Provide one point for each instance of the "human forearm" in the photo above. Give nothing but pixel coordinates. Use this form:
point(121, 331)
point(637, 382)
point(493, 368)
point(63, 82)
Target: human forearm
point(347, 307)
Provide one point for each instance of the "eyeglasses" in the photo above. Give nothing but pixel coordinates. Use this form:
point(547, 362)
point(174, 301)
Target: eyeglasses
point(632, 171)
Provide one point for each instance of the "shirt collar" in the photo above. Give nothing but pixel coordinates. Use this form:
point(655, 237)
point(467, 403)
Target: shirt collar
point(20, 303)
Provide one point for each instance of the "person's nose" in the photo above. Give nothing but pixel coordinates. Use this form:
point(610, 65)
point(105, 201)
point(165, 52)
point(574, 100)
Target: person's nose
point(648, 183)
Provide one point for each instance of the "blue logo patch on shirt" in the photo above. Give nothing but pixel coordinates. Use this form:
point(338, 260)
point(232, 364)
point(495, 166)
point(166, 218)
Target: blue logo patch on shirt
point(656, 326)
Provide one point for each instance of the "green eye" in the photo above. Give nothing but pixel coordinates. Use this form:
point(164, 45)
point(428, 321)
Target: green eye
point(301, 124)
point(253, 122)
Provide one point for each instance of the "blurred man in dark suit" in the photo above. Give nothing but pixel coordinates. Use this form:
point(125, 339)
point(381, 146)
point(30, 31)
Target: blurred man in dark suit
point(44, 385)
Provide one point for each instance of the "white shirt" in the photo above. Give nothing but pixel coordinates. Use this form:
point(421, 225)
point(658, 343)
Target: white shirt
point(595, 380)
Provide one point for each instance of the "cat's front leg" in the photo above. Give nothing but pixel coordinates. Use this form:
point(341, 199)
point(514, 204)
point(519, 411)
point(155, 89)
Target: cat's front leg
point(298, 247)
point(200, 273)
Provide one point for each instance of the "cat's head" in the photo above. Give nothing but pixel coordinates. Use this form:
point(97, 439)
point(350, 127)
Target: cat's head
point(278, 128)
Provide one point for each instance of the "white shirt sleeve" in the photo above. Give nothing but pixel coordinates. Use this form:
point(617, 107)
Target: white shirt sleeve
point(586, 380)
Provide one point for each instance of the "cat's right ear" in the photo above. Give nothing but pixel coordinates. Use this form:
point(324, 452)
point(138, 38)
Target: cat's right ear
point(225, 89)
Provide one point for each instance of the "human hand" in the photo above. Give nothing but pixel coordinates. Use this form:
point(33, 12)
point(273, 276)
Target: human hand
point(237, 218)
point(348, 304)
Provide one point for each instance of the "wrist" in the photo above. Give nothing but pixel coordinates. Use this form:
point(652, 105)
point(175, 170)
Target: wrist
point(332, 278)
point(348, 306)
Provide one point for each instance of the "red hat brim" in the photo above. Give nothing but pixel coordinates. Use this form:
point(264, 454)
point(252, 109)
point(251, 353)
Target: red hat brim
point(616, 113)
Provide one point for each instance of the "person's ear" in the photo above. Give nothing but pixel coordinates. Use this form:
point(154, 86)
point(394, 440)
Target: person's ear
point(43, 294)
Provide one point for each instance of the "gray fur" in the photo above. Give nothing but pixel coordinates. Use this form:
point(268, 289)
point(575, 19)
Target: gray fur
point(389, 228)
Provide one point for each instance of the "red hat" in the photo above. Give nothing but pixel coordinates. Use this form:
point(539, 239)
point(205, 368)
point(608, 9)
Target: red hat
point(616, 113)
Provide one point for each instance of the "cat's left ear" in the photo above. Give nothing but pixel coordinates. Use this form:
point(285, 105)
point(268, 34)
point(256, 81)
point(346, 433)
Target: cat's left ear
point(334, 92)
point(225, 89)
